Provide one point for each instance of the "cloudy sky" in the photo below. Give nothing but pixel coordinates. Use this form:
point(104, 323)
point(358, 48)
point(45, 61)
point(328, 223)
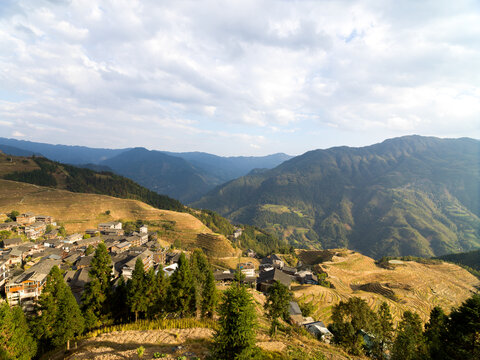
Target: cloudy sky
point(238, 77)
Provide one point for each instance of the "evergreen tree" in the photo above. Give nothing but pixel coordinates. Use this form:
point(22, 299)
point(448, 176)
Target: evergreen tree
point(70, 322)
point(349, 319)
point(157, 307)
point(409, 344)
point(434, 332)
point(59, 318)
point(151, 292)
point(136, 298)
point(209, 296)
point(181, 291)
point(235, 338)
point(277, 303)
point(97, 296)
point(120, 310)
point(16, 341)
point(462, 339)
point(383, 332)
point(199, 267)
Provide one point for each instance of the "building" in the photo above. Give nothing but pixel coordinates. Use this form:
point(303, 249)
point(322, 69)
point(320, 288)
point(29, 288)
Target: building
point(266, 278)
point(113, 225)
point(129, 266)
point(10, 243)
point(50, 235)
point(71, 239)
point(273, 260)
point(121, 247)
point(319, 329)
point(45, 219)
point(3, 271)
point(28, 285)
point(35, 230)
point(25, 219)
point(247, 268)
point(307, 277)
point(143, 229)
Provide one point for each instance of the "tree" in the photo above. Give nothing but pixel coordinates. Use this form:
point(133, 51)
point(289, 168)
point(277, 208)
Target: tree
point(120, 310)
point(136, 297)
point(409, 344)
point(434, 332)
point(13, 215)
point(350, 318)
point(235, 338)
point(59, 318)
point(209, 296)
point(16, 341)
point(98, 292)
point(90, 250)
point(462, 339)
point(277, 303)
point(383, 332)
point(157, 305)
point(181, 291)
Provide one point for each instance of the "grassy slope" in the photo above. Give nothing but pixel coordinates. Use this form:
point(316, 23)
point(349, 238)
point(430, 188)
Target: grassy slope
point(80, 211)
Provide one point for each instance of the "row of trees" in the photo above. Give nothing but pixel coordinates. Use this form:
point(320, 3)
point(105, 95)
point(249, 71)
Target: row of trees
point(360, 330)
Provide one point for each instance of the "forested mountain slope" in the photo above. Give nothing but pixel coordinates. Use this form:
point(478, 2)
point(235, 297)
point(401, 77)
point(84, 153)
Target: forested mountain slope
point(405, 196)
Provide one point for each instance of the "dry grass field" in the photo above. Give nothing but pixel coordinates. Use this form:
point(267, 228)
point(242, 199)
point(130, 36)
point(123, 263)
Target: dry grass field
point(78, 212)
point(415, 286)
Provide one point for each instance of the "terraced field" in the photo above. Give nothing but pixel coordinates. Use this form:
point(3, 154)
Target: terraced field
point(415, 286)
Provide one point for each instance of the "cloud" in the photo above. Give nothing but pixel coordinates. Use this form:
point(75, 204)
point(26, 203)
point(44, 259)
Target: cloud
point(93, 72)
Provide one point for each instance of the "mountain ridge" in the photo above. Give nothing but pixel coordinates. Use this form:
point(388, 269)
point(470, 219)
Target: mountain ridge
point(420, 194)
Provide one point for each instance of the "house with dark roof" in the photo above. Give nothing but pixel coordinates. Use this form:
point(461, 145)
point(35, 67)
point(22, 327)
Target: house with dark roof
point(10, 243)
point(266, 279)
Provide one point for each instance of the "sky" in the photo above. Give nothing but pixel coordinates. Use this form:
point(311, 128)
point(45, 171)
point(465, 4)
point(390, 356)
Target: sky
point(248, 77)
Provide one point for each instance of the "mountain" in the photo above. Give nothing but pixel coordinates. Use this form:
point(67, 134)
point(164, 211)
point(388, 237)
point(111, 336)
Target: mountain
point(185, 176)
point(63, 153)
point(11, 150)
point(162, 173)
point(405, 196)
point(228, 168)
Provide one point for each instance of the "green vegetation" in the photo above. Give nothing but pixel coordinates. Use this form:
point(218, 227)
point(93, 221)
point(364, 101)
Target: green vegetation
point(16, 340)
point(407, 196)
point(235, 338)
point(276, 304)
point(470, 259)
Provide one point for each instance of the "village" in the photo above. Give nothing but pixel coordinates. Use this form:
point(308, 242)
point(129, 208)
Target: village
point(27, 258)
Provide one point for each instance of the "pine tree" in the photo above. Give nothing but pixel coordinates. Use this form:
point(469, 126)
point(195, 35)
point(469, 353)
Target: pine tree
point(276, 304)
point(59, 318)
point(70, 322)
point(409, 343)
point(120, 310)
point(462, 339)
point(199, 267)
point(97, 296)
point(209, 296)
point(16, 341)
point(349, 319)
point(181, 291)
point(136, 287)
point(157, 305)
point(383, 332)
point(434, 332)
point(235, 338)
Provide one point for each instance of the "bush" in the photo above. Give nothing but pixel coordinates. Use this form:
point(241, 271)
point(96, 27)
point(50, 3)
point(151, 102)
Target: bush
point(140, 351)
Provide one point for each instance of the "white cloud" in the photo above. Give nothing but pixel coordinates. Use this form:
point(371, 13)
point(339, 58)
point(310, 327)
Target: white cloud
point(99, 70)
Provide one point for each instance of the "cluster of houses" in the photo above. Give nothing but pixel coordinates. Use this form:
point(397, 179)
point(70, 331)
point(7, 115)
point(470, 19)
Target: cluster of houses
point(24, 265)
point(271, 269)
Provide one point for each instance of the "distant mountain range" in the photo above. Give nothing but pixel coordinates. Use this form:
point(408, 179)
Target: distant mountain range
point(184, 176)
point(405, 196)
